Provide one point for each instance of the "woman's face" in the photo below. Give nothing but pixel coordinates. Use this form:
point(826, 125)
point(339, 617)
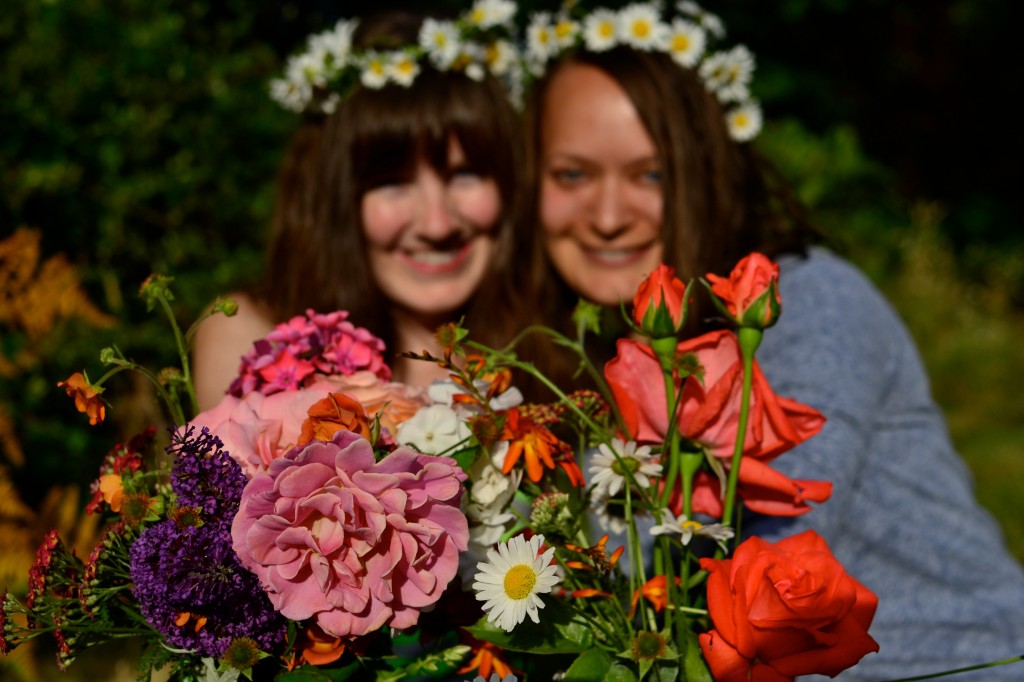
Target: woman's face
point(600, 186)
point(431, 238)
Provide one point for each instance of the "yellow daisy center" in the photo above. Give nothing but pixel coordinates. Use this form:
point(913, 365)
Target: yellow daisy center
point(478, 16)
point(680, 43)
point(692, 526)
point(563, 29)
point(519, 581)
point(406, 66)
point(641, 29)
point(605, 29)
point(740, 120)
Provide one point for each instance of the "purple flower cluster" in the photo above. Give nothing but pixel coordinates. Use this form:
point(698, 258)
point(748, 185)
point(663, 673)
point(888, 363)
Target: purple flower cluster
point(188, 582)
point(296, 351)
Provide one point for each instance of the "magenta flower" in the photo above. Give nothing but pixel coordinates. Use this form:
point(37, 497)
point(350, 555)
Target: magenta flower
point(295, 352)
point(353, 543)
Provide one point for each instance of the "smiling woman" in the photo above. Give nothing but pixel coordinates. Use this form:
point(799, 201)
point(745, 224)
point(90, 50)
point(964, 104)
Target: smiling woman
point(394, 200)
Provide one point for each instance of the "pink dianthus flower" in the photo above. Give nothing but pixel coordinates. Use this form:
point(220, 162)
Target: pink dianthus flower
point(350, 542)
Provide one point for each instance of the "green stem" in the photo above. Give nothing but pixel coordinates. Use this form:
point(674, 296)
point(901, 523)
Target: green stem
point(749, 339)
point(957, 671)
point(182, 356)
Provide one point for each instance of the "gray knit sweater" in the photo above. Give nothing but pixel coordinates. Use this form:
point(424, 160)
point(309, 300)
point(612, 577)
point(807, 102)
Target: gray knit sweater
point(903, 518)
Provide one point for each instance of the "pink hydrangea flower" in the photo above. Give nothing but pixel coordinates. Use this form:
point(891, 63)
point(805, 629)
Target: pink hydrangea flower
point(353, 543)
point(295, 352)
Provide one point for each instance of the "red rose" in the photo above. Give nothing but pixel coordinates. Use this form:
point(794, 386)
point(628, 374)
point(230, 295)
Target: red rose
point(749, 296)
point(709, 416)
point(785, 609)
point(659, 306)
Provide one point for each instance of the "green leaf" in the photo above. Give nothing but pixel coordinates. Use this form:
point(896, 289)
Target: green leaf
point(310, 673)
point(694, 666)
point(597, 665)
point(560, 631)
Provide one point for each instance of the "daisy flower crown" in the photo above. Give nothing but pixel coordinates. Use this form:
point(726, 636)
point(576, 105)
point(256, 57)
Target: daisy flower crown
point(685, 36)
point(329, 69)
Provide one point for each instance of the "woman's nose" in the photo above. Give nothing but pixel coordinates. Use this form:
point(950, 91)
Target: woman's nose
point(611, 209)
point(436, 219)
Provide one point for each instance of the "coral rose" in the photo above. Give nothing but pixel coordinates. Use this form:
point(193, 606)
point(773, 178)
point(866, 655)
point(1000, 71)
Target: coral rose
point(709, 416)
point(659, 306)
point(749, 296)
point(354, 544)
point(785, 609)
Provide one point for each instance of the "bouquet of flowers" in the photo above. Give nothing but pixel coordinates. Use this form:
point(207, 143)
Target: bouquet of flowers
point(326, 523)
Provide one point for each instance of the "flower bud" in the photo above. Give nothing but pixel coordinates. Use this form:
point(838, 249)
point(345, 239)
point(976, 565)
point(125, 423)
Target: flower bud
point(749, 296)
point(659, 307)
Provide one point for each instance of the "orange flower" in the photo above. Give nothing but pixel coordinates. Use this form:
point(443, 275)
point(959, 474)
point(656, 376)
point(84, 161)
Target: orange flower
point(336, 412)
point(319, 648)
point(531, 440)
point(598, 554)
point(655, 591)
point(486, 659)
point(87, 397)
point(112, 490)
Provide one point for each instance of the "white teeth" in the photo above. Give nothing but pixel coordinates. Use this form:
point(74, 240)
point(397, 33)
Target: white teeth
point(434, 257)
point(613, 255)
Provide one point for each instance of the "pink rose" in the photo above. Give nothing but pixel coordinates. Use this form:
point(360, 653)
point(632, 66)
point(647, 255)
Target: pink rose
point(709, 416)
point(259, 428)
point(394, 402)
point(352, 543)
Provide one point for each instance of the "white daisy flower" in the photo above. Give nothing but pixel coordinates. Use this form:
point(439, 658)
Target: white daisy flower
point(475, 71)
point(610, 464)
point(540, 39)
point(500, 56)
point(510, 581)
point(685, 43)
point(309, 67)
point(565, 31)
point(686, 528)
point(641, 26)
point(488, 13)
point(338, 42)
point(330, 103)
point(600, 30)
point(614, 524)
point(441, 41)
point(728, 74)
point(495, 677)
point(708, 21)
point(744, 121)
point(374, 73)
point(403, 69)
point(290, 94)
point(433, 430)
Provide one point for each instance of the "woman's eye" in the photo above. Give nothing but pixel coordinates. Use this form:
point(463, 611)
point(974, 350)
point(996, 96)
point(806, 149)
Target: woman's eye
point(652, 176)
point(568, 176)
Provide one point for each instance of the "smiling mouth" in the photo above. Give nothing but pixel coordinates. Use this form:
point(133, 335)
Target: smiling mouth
point(437, 262)
point(616, 257)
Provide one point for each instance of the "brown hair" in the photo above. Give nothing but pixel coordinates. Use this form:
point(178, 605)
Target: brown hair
point(721, 199)
point(317, 251)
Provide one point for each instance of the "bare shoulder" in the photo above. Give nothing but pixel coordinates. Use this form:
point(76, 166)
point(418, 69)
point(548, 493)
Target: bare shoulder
point(220, 343)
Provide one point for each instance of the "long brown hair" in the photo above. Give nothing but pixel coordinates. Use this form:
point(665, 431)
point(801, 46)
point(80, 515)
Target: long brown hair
point(316, 255)
point(721, 199)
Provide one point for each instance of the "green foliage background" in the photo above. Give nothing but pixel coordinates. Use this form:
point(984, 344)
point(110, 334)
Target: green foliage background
point(137, 135)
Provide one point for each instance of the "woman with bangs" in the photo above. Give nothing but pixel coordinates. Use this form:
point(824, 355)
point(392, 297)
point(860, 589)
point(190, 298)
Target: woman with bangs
point(394, 202)
point(638, 154)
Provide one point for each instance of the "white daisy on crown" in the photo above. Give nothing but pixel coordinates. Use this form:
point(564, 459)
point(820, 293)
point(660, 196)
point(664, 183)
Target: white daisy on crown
point(478, 42)
point(684, 34)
